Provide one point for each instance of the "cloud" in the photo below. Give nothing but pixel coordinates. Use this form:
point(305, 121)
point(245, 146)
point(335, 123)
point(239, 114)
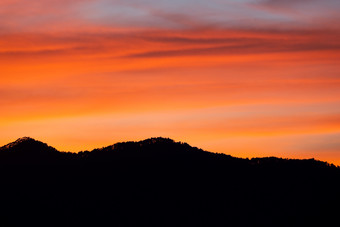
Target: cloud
point(162, 43)
point(300, 9)
point(52, 15)
point(262, 46)
point(300, 2)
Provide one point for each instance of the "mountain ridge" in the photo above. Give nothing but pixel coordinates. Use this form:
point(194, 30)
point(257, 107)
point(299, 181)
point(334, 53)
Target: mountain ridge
point(164, 146)
point(28, 142)
point(160, 182)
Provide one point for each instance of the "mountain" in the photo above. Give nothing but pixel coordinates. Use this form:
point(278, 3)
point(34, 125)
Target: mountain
point(29, 151)
point(160, 182)
point(26, 145)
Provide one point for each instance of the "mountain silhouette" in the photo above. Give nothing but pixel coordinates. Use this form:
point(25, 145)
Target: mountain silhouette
point(29, 151)
point(160, 182)
point(28, 145)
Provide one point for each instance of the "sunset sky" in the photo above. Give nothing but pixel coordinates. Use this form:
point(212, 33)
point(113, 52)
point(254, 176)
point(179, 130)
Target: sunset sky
point(249, 78)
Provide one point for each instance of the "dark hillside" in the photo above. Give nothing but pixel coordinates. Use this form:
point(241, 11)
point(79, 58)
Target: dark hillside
point(159, 182)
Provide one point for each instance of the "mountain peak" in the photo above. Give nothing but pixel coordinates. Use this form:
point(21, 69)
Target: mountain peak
point(27, 144)
point(24, 139)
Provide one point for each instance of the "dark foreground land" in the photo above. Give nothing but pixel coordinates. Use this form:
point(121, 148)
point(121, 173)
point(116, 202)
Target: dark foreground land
point(158, 182)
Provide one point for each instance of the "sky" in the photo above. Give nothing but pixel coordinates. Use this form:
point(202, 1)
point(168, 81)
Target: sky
point(249, 78)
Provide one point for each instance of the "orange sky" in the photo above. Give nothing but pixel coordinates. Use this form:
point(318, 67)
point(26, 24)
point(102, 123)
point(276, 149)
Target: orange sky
point(86, 74)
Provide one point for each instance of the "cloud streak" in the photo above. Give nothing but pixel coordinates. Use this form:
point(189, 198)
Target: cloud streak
point(163, 43)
